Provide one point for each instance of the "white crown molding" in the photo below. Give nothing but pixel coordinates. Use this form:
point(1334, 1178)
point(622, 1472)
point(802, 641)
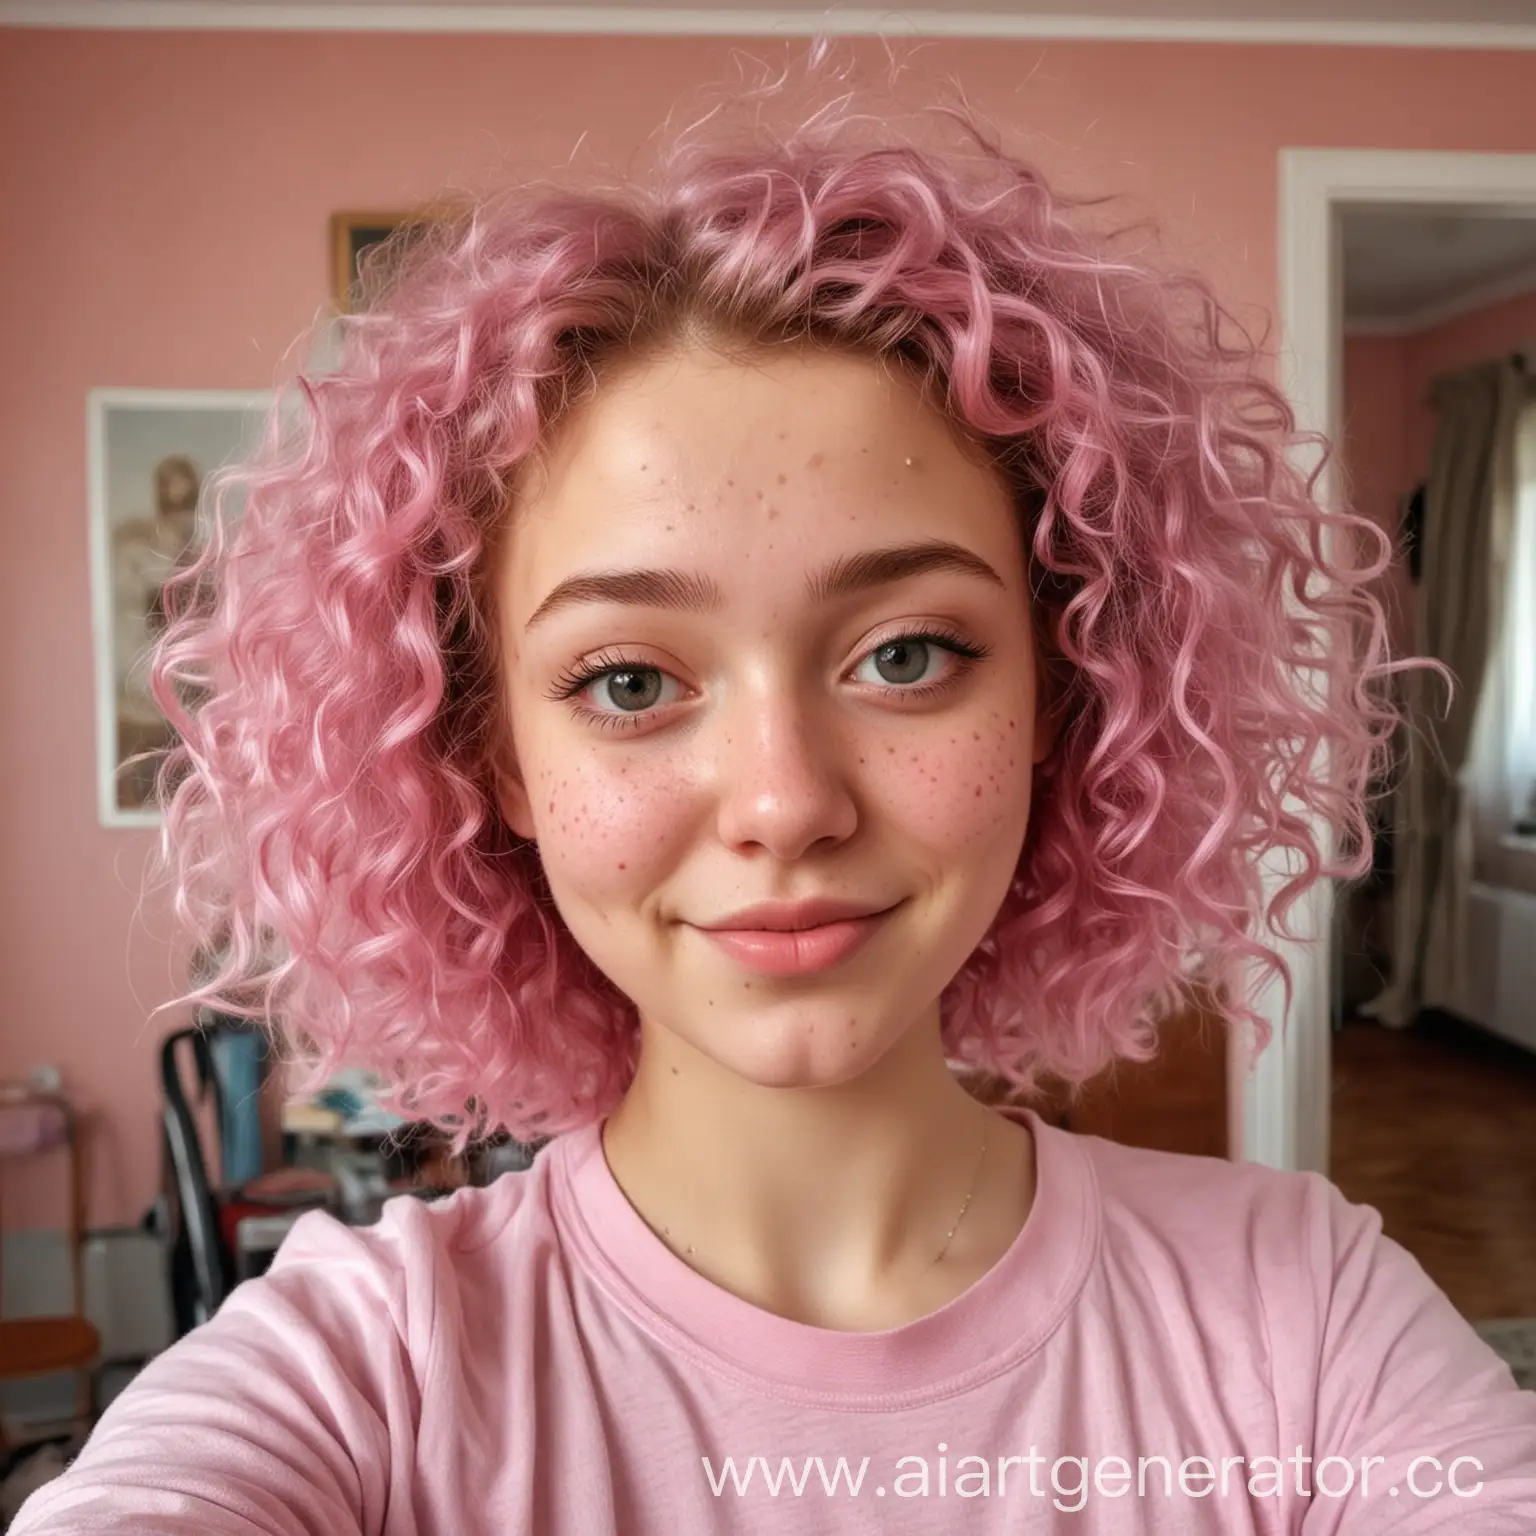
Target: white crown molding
point(593, 20)
point(1513, 285)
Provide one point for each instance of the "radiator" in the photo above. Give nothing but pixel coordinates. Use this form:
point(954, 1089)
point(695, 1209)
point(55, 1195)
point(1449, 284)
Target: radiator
point(1502, 973)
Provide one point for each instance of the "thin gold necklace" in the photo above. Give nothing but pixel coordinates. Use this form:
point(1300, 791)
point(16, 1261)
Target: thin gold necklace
point(970, 1195)
point(949, 1237)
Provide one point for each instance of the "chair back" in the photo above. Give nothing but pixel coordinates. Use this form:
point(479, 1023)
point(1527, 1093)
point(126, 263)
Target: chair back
point(199, 1270)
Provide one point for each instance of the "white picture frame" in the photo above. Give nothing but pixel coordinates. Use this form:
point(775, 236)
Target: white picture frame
point(150, 453)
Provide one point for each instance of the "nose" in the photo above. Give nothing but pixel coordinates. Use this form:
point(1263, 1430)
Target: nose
point(783, 781)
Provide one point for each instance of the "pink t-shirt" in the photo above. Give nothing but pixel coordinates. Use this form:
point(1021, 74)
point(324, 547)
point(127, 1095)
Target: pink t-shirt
point(1163, 1343)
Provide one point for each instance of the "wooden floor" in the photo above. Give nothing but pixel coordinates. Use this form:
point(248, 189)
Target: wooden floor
point(1436, 1127)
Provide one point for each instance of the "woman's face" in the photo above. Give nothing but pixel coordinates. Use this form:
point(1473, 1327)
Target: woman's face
point(708, 600)
point(178, 488)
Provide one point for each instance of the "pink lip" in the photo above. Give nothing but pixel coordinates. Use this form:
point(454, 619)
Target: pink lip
point(772, 952)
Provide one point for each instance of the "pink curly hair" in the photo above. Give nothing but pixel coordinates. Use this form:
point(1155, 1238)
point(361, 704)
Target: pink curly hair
point(330, 824)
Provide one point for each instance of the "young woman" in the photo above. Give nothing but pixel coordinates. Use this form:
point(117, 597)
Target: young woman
point(715, 653)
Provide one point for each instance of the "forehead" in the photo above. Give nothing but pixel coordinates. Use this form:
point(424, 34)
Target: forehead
point(749, 469)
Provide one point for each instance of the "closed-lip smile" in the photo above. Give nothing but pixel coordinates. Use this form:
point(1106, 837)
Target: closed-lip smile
point(796, 938)
point(794, 916)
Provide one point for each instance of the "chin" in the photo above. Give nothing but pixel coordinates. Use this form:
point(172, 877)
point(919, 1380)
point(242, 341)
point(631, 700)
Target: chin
point(822, 1049)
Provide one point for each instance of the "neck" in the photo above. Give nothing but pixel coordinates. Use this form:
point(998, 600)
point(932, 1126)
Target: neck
point(830, 1205)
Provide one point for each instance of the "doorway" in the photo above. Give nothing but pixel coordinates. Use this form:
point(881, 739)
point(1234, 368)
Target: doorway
point(1400, 269)
point(1282, 1112)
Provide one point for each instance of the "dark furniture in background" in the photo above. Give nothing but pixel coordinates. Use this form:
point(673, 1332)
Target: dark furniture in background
point(216, 1232)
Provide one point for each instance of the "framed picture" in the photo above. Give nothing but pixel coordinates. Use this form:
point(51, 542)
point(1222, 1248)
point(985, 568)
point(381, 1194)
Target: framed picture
point(353, 235)
point(150, 455)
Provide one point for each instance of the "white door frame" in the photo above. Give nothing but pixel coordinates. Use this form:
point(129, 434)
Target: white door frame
point(1282, 1108)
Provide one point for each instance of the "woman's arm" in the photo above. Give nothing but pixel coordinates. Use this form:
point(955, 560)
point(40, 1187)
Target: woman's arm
point(292, 1413)
point(1406, 1383)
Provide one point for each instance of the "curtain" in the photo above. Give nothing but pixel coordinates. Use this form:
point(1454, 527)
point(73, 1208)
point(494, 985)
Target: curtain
point(1520, 754)
point(1452, 796)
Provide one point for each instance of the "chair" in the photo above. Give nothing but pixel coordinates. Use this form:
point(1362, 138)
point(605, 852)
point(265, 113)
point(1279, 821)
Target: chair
point(34, 1122)
point(218, 1231)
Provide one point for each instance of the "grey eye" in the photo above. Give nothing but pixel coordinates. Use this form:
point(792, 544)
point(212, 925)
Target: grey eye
point(902, 661)
point(633, 689)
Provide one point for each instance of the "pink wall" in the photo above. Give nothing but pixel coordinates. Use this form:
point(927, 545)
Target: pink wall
point(166, 198)
point(1389, 424)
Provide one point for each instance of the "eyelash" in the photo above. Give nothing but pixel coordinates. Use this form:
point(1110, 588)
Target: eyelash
point(574, 681)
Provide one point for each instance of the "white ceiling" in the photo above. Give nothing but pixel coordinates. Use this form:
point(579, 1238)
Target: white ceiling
point(1406, 268)
point(1407, 23)
point(1460, 12)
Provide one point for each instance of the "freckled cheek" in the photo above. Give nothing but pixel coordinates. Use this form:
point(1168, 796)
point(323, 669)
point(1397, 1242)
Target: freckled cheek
point(960, 789)
point(611, 825)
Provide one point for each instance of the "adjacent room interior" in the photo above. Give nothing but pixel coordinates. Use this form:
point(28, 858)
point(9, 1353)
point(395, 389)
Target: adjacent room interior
point(1434, 1043)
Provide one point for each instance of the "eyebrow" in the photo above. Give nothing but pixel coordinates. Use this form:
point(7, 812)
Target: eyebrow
point(687, 592)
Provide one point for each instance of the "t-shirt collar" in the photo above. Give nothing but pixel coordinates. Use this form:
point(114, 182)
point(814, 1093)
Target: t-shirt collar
point(987, 1329)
